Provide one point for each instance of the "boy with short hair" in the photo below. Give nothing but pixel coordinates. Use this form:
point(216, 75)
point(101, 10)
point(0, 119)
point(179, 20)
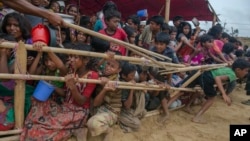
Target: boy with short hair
point(162, 40)
point(217, 76)
point(146, 39)
point(112, 20)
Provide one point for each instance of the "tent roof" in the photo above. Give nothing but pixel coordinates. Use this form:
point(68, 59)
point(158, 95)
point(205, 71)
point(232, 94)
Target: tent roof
point(186, 8)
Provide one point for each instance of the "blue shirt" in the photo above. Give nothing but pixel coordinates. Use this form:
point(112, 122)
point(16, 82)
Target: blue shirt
point(168, 52)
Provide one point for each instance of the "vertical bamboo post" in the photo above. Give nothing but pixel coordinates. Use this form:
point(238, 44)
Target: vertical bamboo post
point(19, 96)
point(167, 10)
point(214, 19)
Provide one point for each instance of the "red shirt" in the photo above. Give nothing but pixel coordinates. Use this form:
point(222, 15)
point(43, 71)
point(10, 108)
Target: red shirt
point(120, 35)
point(86, 89)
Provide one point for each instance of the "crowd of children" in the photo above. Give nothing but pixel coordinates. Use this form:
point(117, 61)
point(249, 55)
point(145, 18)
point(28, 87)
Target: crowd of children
point(77, 108)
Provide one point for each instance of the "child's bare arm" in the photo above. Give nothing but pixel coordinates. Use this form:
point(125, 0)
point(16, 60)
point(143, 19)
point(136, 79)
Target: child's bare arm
point(60, 91)
point(70, 82)
point(34, 65)
point(128, 103)
point(100, 97)
point(218, 81)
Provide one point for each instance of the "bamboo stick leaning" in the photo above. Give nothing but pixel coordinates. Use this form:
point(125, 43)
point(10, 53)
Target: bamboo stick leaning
point(120, 85)
point(10, 132)
point(201, 67)
point(110, 39)
point(142, 61)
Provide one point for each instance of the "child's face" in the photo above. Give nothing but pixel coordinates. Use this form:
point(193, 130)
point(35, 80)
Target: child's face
point(50, 64)
point(113, 23)
point(141, 28)
point(81, 37)
point(224, 40)
point(73, 11)
point(132, 38)
point(173, 35)
point(208, 44)
point(13, 28)
point(55, 7)
point(186, 29)
point(131, 24)
point(112, 67)
point(160, 47)
point(241, 73)
point(129, 77)
point(143, 76)
point(154, 26)
point(77, 62)
point(63, 36)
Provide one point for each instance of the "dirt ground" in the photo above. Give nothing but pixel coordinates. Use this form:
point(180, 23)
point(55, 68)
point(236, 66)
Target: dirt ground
point(180, 127)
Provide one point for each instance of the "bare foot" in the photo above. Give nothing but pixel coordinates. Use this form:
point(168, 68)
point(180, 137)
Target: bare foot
point(163, 118)
point(189, 111)
point(108, 135)
point(199, 120)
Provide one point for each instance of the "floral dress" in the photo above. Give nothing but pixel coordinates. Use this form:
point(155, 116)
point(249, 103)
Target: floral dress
point(51, 121)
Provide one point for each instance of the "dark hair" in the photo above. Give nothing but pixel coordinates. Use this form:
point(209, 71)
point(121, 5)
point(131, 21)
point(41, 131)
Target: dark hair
point(225, 35)
point(180, 29)
point(215, 31)
point(99, 45)
point(158, 20)
point(172, 29)
point(241, 64)
point(54, 1)
point(110, 13)
point(127, 68)
point(239, 53)
point(176, 18)
point(109, 5)
point(7, 37)
point(72, 5)
point(204, 38)
point(233, 40)
point(129, 30)
point(24, 24)
point(162, 37)
point(228, 48)
point(165, 27)
point(67, 33)
point(84, 21)
point(135, 19)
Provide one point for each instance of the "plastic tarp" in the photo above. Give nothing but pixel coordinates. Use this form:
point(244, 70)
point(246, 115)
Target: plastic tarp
point(186, 8)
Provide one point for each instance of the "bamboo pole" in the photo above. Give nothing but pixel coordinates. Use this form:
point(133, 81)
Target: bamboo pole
point(110, 39)
point(10, 138)
point(167, 10)
point(120, 85)
point(10, 132)
point(143, 61)
point(19, 96)
point(185, 84)
point(201, 67)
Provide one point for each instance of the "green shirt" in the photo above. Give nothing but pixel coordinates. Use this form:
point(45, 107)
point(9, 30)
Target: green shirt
point(224, 71)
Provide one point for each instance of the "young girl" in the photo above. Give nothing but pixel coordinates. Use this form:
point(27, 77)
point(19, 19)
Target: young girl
point(186, 44)
point(7, 118)
point(55, 6)
point(203, 54)
point(108, 101)
point(51, 121)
